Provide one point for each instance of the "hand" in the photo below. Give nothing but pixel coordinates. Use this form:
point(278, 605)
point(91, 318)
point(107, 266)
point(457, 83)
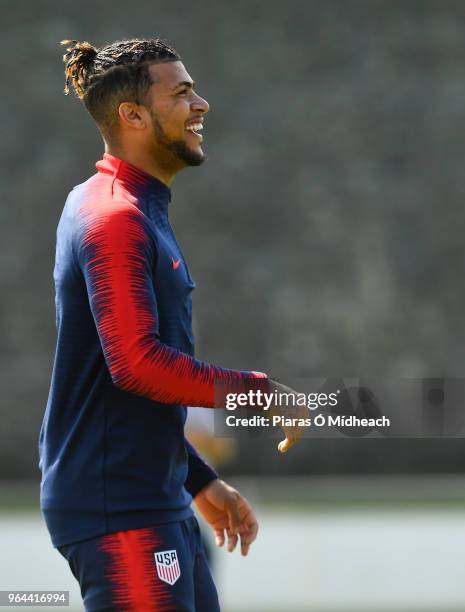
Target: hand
point(224, 508)
point(294, 416)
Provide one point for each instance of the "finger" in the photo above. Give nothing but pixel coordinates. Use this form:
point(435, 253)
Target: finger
point(245, 544)
point(285, 445)
point(219, 537)
point(232, 541)
point(234, 518)
point(253, 531)
point(246, 540)
point(248, 535)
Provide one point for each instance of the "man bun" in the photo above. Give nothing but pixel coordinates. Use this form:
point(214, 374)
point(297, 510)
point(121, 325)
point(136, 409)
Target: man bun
point(78, 60)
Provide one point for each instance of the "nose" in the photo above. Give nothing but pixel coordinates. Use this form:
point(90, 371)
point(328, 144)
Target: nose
point(199, 104)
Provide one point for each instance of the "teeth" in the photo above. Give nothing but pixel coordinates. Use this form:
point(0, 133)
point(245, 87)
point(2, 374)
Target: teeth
point(196, 127)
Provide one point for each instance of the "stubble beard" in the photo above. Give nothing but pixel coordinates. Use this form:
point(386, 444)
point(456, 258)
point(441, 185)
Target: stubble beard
point(178, 148)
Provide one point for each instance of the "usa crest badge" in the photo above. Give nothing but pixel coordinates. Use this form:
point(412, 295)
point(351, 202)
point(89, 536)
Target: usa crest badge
point(167, 564)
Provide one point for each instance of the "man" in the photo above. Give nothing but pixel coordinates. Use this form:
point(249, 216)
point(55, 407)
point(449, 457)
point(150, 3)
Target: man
point(118, 474)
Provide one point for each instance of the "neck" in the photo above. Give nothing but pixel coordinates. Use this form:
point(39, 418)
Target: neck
point(143, 162)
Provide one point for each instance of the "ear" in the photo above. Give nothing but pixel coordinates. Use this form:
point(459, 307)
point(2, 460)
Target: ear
point(132, 115)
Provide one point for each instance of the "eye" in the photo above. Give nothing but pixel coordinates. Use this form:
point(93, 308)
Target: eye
point(183, 92)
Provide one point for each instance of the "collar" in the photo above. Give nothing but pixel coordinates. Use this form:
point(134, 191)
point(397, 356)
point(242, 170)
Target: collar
point(137, 181)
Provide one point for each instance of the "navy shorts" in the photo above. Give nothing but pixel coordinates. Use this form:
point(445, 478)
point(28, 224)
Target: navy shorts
point(157, 569)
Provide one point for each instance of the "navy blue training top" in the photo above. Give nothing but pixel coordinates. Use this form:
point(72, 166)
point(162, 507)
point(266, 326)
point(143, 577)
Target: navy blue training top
point(112, 449)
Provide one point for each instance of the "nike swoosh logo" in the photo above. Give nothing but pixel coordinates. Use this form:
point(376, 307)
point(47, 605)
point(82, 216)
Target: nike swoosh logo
point(176, 263)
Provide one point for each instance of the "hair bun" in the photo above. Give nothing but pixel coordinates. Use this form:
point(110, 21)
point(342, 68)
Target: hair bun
point(78, 60)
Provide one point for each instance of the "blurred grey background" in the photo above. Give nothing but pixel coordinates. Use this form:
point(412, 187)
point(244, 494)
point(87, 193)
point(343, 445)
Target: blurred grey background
point(325, 231)
point(325, 234)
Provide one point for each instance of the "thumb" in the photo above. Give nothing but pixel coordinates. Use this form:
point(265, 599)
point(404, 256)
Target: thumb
point(285, 445)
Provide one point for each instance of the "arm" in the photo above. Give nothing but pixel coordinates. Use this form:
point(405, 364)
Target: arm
point(116, 254)
point(200, 474)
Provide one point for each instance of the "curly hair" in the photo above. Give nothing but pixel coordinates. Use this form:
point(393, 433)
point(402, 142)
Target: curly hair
point(119, 72)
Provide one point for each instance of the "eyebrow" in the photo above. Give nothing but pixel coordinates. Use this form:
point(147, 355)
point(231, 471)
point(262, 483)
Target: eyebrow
point(189, 84)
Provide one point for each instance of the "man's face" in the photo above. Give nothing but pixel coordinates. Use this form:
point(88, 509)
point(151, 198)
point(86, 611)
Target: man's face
point(177, 115)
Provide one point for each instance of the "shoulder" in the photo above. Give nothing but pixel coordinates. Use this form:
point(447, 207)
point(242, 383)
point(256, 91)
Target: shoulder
point(109, 214)
point(115, 231)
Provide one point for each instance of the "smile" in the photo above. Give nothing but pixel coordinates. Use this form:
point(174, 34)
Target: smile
point(194, 128)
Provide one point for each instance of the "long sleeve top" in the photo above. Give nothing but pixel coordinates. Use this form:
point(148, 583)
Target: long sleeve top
point(112, 449)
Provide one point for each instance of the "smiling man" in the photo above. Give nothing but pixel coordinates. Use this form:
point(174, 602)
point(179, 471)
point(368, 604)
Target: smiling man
point(118, 474)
